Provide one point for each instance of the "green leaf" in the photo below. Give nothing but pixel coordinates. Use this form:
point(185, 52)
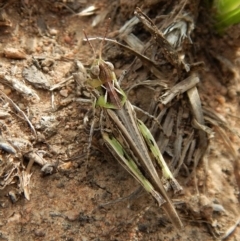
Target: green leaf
point(227, 13)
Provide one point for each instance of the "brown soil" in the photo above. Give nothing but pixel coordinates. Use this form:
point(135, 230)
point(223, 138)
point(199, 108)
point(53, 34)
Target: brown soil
point(66, 205)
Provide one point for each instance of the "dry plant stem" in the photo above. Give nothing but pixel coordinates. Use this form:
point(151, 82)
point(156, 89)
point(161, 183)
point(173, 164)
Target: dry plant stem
point(29, 166)
point(4, 145)
point(150, 116)
point(211, 117)
point(179, 88)
point(153, 67)
point(62, 83)
point(169, 52)
point(10, 175)
point(34, 157)
point(204, 128)
point(52, 100)
point(198, 114)
point(151, 84)
point(20, 111)
point(230, 230)
point(184, 152)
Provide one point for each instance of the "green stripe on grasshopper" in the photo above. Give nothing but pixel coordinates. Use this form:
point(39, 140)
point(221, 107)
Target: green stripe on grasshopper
point(118, 152)
point(158, 156)
point(102, 101)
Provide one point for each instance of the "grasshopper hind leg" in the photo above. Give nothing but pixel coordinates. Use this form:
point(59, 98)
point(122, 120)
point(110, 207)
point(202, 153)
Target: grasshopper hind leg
point(151, 143)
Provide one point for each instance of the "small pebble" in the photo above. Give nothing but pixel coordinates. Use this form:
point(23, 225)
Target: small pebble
point(64, 92)
point(67, 39)
point(15, 218)
point(72, 215)
point(12, 53)
point(221, 99)
point(30, 45)
point(7, 91)
point(223, 90)
point(60, 185)
point(40, 232)
point(51, 195)
point(232, 93)
point(45, 69)
point(21, 106)
point(53, 31)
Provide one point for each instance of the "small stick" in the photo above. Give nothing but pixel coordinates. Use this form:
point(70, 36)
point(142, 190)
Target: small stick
point(20, 111)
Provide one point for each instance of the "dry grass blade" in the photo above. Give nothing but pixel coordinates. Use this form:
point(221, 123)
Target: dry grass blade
point(20, 111)
point(195, 101)
point(230, 230)
point(179, 88)
point(25, 183)
point(62, 83)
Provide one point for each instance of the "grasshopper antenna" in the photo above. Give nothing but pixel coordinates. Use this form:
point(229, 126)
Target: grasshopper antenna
point(103, 40)
point(94, 52)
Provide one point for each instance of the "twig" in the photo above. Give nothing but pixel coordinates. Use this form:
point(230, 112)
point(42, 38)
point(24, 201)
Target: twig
point(20, 111)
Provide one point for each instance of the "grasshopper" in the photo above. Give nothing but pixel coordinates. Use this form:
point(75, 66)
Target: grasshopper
point(127, 138)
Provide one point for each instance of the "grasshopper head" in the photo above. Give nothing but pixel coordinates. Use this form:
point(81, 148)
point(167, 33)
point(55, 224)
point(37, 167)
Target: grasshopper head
point(103, 71)
point(103, 78)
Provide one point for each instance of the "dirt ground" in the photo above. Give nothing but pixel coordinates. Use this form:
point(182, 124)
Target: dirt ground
point(68, 203)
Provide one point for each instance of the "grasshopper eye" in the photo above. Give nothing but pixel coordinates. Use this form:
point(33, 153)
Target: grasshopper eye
point(110, 65)
point(95, 70)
